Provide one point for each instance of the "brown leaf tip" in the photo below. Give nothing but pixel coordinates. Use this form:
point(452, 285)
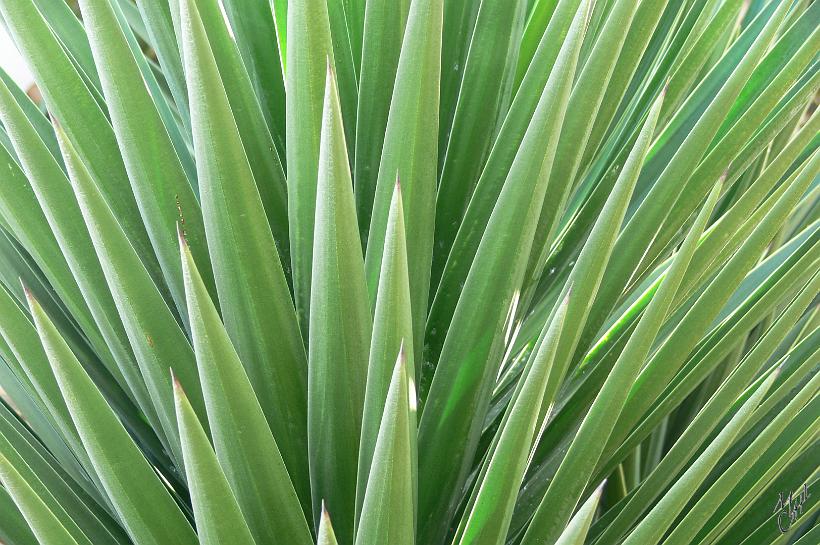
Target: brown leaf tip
point(183, 241)
point(175, 381)
point(26, 289)
point(325, 514)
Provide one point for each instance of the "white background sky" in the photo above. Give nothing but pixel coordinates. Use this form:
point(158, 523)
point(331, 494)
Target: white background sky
point(12, 63)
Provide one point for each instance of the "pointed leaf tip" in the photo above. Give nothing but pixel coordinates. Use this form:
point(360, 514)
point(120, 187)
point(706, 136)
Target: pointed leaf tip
point(27, 290)
point(175, 381)
point(725, 174)
point(183, 242)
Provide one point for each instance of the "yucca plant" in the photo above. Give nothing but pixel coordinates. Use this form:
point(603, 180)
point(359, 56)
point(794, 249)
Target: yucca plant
point(396, 272)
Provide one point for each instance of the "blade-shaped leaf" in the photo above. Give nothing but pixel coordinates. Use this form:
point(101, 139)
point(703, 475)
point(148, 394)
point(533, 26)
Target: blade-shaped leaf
point(158, 180)
point(654, 525)
point(340, 324)
point(253, 294)
point(491, 510)
point(392, 331)
point(384, 25)
point(59, 205)
point(41, 520)
point(245, 447)
point(309, 52)
point(483, 88)
point(686, 530)
point(326, 534)
point(388, 511)
point(452, 415)
point(143, 504)
point(576, 531)
point(216, 513)
point(89, 129)
point(156, 337)
point(228, 76)
point(452, 265)
point(579, 463)
point(410, 153)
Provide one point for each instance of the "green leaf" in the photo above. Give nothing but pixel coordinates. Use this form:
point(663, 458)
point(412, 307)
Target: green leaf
point(686, 530)
point(410, 153)
point(340, 329)
point(326, 534)
point(576, 531)
point(589, 268)
point(253, 293)
point(484, 88)
point(308, 55)
point(392, 332)
point(491, 510)
point(245, 447)
point(86, 124)
point(217, 515)
point(21, 337)
point(702, 425)
point(652, 528)
point(159, 24)
point(41, 520)
point(79, 513)
point(459, 395)
point(228, 76)
point(540, 15)
point(14, 529)
point(253, 26)
point(145, 507)
point(388, 510)
point(156, 337)
point(346, 25)
point(566, 487)
point(452, 265)
point(59, 205)
point(673, 176)
point(160, 186)
point(384, 28)
point(665, 362)
point(25, 219)
point(587, 95)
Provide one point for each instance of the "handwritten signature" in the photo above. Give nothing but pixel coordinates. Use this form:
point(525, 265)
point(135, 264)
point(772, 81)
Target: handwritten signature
point(789, 507)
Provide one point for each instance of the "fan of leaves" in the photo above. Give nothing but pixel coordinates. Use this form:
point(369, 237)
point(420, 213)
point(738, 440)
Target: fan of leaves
point(468, 272)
